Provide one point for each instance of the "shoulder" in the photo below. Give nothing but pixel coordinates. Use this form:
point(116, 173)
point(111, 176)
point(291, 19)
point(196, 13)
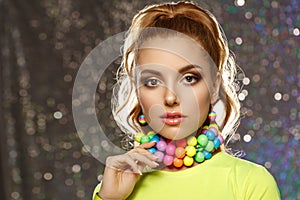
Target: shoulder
point(246, 170)
point(254, 180)
point(238, 165)
point(243, 166)
point(96, 190)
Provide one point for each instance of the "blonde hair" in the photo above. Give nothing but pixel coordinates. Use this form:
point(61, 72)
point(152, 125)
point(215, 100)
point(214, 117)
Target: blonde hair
point(193, 21)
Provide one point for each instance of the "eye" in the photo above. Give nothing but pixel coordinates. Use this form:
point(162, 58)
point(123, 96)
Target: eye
point(190, 79)
point(151, 82)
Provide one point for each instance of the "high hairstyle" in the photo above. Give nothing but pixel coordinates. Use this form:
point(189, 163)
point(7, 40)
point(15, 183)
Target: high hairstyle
point(193, 21)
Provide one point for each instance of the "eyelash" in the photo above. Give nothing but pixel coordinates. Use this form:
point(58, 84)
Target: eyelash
point(196, 78)
point(148, 81)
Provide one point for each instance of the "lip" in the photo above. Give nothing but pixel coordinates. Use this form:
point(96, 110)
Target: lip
point(172, 118)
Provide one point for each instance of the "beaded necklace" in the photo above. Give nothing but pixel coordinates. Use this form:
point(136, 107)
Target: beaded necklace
point(184, 151)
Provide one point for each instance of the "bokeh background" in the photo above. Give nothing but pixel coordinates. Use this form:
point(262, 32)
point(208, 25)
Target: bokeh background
point(43, 43)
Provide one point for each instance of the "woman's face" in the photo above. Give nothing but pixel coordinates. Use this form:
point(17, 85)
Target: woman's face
point(172, 86)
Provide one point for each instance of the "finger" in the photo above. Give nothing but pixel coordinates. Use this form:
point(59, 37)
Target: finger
point(133, 165)
point(130, 160)
point(143, 159)
point(147, 145)
point(145, 152)
point(125, 162)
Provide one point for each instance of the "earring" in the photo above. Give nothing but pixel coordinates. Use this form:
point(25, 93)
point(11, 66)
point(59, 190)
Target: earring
point(142, 120)
point(212, 116)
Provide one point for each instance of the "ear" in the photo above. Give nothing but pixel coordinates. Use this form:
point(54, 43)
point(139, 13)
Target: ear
point(216, 89)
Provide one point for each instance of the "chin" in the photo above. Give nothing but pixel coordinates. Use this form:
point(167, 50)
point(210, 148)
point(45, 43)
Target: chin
point(176, 133)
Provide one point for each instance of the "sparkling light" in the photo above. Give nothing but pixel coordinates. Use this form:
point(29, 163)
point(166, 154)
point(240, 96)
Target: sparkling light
point(57, 115)
point(15, 195)
point(278, 96)
point(286, 97)
point(296, 31)
point(274, 4)
point(48, 176)
point(247, 138)
point(240, 2)
point(245, 92)
point(238, 40)
point(76, 168)
point(246, 81)
point(248, 15)
point(268, 165)
point(241, 97)
point(267, 32)
point(256, 78)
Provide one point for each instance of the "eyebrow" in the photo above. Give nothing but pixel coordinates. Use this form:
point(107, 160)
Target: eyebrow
point(181, 71)
point(188, 67)
point(151, 71)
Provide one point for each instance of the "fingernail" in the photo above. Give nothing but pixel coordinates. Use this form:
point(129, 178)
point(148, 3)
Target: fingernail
point(140, 173)
point(155, 163)
point(155, 157)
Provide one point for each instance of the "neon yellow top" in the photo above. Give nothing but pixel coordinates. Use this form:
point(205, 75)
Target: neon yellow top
point(221, 177)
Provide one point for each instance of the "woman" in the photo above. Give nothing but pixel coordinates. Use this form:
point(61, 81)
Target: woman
point(176, 68)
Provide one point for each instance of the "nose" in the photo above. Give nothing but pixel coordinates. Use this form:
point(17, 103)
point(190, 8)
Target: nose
point(171, 97)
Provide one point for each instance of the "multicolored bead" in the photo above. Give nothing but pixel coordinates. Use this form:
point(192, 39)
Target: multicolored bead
point(144, 139)
point(161, 145)
point(212, 116)
point(168, 160)
point(185, 151)
point(142, 120)
point(188, 161)
point(178, 162)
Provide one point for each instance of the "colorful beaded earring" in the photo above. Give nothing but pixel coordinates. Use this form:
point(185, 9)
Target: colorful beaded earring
point(142, 120)
point(185, 151)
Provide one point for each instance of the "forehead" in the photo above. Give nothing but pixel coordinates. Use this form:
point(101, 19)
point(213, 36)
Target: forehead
point(157, 58)
point(174, 49)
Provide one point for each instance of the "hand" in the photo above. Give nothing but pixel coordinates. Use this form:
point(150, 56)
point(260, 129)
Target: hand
point(122, 172)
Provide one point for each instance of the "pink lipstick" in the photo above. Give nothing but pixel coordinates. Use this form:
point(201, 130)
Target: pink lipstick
point(172, 118)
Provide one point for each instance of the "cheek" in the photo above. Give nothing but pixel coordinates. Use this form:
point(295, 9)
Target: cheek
point(197, 101)
point(203, 99)
point(147, 99)
point(152, 108)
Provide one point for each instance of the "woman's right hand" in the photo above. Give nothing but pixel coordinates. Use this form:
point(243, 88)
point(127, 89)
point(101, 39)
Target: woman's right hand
point(122, 172)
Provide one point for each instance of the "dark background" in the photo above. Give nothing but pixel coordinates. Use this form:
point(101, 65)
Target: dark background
point(43, 43)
